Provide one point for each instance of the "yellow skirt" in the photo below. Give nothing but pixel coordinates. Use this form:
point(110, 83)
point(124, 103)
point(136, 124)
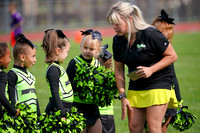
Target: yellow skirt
point(173, 102)
point(146, 98)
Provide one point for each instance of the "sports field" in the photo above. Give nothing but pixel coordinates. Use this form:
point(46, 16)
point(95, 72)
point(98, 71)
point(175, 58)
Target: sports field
point(187, 46)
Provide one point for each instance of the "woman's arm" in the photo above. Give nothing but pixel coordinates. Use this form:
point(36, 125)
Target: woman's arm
point(119, 76)
point(169, 57)
point(120, 81)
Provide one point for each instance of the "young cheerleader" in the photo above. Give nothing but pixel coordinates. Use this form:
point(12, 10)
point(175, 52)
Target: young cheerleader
point(4, 61)
point(90, 47)
point(165, 25)
point(107, 113)
point(21, 82)
point(56, 46)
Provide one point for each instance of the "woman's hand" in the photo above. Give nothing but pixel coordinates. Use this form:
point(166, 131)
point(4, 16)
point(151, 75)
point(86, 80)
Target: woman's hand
point(144, 72)
point(124, 105)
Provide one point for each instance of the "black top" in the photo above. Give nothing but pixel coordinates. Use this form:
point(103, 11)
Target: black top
point(53, 75)
point(71, 71)
point(147, 50)
point(12, 80)
point(3, 100)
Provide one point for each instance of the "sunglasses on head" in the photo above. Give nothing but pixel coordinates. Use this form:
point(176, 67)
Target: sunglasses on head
point(22, 39)
point(60, 34)
point(95, 34)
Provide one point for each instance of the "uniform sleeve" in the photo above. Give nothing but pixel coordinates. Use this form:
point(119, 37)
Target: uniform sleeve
point(3, 99)
point(38, 109)
point(12, 80)
point(116, 52)
point(53, 75)
point(159, 42)
point(71, 70)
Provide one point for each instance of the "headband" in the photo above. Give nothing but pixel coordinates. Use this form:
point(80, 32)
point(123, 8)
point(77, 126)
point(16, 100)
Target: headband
point(95, 34)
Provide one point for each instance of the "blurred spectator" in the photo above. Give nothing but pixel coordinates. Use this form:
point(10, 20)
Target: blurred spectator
point(16, 22)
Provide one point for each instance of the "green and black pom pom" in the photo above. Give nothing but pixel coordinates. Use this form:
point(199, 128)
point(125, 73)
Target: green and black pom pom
point(53, 123)
point(96, 85)
point(183, 120)
point(26, 122)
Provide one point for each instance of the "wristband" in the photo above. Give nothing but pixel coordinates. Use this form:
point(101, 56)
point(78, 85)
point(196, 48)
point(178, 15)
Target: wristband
point(121, 96)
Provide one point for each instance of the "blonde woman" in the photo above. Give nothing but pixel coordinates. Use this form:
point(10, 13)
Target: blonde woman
point(148, 56)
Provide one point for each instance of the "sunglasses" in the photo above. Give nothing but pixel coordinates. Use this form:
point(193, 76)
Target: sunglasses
point(95, 34)
point(60, 34)
point(22, 39)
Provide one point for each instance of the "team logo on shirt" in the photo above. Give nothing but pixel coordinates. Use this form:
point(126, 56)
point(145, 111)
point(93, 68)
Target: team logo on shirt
point(141, 47)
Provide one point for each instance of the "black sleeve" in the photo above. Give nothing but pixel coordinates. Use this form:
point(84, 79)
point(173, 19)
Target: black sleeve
point(71, 70)
point(53, 75)
point(159, 42)
point(117, 48)
point(38, 109)
point(3, 99)
point(12, 80)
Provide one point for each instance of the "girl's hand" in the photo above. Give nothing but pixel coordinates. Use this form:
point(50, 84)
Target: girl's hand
point(144, 72)
point(17, 114)
point(124, 105)
point(63, 118)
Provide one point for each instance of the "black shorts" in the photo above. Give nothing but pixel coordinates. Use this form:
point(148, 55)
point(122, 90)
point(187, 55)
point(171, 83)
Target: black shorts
point(108, 123)
point(90, 112)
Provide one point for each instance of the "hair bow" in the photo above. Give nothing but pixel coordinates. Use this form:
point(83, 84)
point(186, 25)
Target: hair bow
point(95, 34)
point(60, 34)
point(164, 17)
point(22, 39)
point(104, 53)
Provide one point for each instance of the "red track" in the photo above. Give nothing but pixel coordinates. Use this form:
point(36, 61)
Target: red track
point(106, 31)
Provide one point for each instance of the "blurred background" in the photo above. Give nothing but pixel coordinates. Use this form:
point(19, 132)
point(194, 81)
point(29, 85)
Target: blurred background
point(70, 14)
point(73, 15)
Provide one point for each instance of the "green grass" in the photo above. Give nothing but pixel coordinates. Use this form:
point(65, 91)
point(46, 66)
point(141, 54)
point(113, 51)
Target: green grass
point(187, 69)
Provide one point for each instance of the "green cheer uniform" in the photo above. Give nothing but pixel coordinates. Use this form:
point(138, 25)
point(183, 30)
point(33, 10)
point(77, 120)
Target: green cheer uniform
point(25, 89)
point(79, 61)
point(61, 97)
point(90, 111)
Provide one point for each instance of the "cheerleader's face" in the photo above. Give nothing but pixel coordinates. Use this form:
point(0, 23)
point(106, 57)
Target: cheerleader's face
point(89, 50)
point(63, 53)
point(5, 60)
point(29, 58)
